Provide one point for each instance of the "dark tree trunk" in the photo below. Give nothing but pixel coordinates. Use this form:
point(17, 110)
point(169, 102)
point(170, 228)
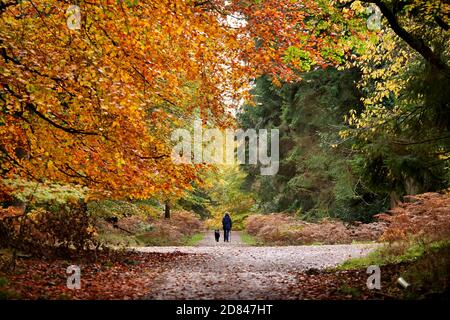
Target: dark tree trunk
point(167, 210)
point(416, 43)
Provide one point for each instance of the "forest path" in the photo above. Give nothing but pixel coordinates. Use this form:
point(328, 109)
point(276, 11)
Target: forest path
point(227, 271)
point(209, 240)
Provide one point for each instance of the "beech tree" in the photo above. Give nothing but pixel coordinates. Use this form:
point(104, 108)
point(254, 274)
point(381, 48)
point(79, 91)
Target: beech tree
point(95, 105)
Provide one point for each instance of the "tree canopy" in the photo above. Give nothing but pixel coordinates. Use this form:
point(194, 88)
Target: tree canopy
point(94, 105)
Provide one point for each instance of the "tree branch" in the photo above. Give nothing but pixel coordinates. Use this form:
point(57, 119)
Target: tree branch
point(33, 109)
point(405, 143)
point(5, 4)
point(153, 157)
point(415, 43)
point(441, 23)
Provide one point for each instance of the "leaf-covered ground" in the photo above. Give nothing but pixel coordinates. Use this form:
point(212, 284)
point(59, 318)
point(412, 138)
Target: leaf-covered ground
point(236, 271)
point(344, 285)
point(129, 276)
point(220, 270)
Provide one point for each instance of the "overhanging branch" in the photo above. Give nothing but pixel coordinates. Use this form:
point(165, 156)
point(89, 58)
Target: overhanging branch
point(33, 109)
point(415, 43)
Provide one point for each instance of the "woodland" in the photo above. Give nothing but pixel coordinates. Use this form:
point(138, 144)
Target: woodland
point(91, 92)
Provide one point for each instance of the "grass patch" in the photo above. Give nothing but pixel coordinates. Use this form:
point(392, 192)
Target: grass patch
point(373, 258)
point(117, 239)
point(193, 240)
point(430, 275)
point(425, 266)
point(249, 239)
point(393, 254)
point(150, 240)
point(315, 243)
point(363, 242)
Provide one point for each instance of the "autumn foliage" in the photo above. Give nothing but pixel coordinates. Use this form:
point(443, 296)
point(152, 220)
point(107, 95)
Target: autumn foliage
point(112, 276)
point(282, 229)
point(95, 106)
point(48, 231)
point(147, 230)
point(424, 217)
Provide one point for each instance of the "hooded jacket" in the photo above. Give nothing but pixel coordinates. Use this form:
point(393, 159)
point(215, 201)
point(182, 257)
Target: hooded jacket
point(226, 222)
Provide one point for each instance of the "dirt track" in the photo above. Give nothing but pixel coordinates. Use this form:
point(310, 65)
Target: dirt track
point(236, 271)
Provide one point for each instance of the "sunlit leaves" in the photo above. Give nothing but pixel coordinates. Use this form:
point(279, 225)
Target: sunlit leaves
point(95, 105)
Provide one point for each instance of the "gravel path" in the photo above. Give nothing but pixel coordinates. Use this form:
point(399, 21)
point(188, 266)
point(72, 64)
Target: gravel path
point(209, 240)
point(235, 271)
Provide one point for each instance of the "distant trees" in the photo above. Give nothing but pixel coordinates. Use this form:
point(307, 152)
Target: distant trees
point(396, 134)
point(95, 106)
point(317, 170)
point(403, 131)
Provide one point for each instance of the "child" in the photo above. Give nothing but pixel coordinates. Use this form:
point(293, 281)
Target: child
point(217, 235)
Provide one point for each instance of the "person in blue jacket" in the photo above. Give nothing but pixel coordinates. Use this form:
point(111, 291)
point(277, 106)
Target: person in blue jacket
point(226, 224)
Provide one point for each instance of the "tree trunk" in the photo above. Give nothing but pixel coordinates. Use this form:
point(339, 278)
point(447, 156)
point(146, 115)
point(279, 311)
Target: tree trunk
point(395, 199)
point(167, 210)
